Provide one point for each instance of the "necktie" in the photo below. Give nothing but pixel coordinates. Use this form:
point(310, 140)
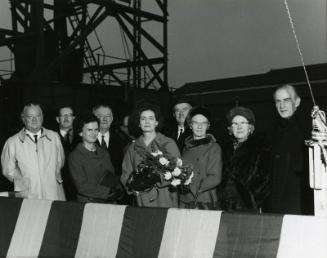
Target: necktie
point(103, 142)
point(35, 138)
point(68, 137)
point(180, 132)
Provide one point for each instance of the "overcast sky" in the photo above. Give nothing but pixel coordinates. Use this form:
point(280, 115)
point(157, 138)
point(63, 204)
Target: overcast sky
point(212, 39)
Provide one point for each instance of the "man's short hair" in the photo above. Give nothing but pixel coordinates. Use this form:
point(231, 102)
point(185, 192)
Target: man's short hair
point(31, 105)
point(65, 106)
point(290, 88)
point(101, 105)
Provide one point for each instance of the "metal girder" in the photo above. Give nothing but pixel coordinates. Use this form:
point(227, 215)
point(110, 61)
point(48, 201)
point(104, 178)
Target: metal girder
point(144, 33)
point(122, 8)
point(110, 67)
point(151, 67)
point(89, 27)
point(130, 20)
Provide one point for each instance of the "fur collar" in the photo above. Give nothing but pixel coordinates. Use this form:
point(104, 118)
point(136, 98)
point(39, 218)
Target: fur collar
point(191, 143)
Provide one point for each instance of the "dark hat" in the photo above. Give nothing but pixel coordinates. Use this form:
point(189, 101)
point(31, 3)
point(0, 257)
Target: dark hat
point(181, 99)
point(240, 111)
point(197, 110)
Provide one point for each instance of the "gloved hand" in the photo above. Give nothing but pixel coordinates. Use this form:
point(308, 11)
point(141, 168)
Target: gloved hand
point(142, 182)
point(116, 193)
point(153, 178)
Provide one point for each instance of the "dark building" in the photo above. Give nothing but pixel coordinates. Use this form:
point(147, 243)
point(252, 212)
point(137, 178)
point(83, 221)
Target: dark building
point(255, 92)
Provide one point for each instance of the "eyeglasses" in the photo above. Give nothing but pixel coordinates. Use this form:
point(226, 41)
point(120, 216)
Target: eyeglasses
point(186, 109)
point(67, 116)
point(199, 123)
point(240, 124)
point(105, 117)
point(33, 117)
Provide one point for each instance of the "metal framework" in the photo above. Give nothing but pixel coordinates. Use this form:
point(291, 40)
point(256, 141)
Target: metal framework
point(58, 40)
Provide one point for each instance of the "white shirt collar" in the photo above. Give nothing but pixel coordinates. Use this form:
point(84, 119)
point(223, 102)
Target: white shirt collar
point(181, 127)
point(106, 137)
point(63, 132)
point(39, 133)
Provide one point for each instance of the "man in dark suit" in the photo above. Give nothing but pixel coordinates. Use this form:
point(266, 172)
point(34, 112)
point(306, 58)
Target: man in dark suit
point(69, 141)
point(181, 130)
point(109, 137)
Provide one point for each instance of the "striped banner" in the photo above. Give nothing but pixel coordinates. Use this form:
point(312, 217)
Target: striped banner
point(38, 228)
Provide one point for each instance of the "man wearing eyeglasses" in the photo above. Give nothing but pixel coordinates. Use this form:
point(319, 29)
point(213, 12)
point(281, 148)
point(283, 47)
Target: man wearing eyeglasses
point(290, 191)
point(32, 159)
point(65, 121)
point(69, 140)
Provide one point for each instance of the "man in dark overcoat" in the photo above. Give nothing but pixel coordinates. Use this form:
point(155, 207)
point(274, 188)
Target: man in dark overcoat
point(69, 140)
point(289, 189)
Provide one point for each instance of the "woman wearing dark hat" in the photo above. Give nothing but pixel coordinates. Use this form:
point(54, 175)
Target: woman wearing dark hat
point(204, 153)
point(245, 177)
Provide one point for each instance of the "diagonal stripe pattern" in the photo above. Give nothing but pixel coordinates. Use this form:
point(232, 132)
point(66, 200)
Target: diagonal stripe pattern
point(187, 230)
point(100, 230)
point(31, 223)
point(39, 228)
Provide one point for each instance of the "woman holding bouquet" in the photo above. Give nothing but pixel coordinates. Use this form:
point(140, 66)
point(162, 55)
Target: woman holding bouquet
point(204, 153)
point(158, 192)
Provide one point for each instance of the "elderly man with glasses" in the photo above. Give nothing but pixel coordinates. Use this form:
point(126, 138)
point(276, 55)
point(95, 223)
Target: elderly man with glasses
point(32, 158)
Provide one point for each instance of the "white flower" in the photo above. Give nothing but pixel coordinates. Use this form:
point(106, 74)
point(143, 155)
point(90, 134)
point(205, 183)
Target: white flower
point(189, 180)
point(163, 161)
point(167, 175)
point(176, 182)
point(155, 154)
point(179, 162)
point(176, 172)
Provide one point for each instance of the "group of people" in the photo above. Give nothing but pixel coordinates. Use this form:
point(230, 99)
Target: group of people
point(246, 172)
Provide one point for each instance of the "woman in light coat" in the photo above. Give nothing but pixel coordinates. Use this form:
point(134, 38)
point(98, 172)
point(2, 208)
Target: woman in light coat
point(204, 153)
point(150, 141)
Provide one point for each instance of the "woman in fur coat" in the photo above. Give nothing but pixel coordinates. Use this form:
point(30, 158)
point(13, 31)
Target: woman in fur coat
point(245, 176)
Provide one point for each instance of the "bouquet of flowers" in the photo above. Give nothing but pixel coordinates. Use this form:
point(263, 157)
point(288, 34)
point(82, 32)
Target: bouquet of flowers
point(155, 167)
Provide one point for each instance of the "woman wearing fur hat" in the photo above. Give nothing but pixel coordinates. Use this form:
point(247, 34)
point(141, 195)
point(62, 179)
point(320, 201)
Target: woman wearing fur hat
point(204, 153)
point(245, 177)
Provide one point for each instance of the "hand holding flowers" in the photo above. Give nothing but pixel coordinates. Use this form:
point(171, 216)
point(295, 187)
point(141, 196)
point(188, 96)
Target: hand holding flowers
point(156, 168)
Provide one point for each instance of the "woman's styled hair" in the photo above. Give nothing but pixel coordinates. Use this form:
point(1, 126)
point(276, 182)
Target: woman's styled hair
point(149, 106)
point(85, 119)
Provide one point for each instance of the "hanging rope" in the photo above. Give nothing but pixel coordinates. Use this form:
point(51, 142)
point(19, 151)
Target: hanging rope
point(299, 50)
point(319, 130)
